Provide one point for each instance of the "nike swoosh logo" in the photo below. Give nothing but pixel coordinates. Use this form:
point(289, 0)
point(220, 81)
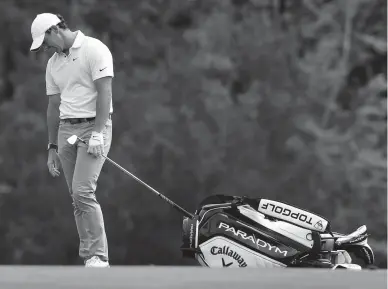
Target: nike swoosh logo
point(226, 265)
point(74, 59)
point(103, 69)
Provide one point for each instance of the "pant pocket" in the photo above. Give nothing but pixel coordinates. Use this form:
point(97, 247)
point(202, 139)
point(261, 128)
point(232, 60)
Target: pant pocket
point(86, 131)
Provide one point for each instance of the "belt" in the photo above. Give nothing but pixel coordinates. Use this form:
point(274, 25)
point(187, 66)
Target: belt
point(80, 120)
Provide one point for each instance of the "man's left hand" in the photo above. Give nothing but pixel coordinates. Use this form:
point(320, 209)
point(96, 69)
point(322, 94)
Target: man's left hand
point(96, 144)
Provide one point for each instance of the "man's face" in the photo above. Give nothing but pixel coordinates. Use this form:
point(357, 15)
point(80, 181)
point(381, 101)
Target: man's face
point(53, 39)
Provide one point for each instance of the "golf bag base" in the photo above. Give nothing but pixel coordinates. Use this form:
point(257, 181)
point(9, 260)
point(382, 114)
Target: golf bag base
point(230, 231)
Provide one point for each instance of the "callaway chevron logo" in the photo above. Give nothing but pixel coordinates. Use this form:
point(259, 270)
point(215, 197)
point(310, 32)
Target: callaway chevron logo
point(226, 264)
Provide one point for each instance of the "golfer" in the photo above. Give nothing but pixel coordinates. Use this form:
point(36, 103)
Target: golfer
point(79, 88)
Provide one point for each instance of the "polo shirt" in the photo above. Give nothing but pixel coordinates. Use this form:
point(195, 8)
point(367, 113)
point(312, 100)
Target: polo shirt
point(72, 76)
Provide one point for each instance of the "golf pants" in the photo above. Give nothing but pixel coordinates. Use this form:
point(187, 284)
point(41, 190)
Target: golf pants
point(81, 172)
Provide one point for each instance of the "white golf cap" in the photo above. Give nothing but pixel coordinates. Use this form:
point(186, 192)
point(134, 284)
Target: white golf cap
point(39, 26)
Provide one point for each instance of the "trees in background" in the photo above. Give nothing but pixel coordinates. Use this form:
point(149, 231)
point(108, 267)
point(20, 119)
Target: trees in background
point(278, 99)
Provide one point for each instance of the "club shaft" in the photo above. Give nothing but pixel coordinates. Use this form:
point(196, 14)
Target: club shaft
point(182, 210)
point(186, 213)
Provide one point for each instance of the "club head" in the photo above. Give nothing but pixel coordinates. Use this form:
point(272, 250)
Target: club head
point(71, 140)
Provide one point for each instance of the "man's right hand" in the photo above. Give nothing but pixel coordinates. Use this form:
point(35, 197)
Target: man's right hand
point(53, 163)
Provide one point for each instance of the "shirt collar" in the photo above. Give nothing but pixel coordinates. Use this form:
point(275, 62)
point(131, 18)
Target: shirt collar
point(79, 39)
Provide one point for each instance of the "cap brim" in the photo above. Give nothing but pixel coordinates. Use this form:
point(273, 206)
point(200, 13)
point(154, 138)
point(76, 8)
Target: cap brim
point(37, 43)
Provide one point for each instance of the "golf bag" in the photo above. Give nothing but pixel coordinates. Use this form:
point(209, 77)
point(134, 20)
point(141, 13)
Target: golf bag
point(229, 231)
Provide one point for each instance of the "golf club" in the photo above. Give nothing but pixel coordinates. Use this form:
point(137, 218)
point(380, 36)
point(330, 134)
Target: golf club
point(73, 139)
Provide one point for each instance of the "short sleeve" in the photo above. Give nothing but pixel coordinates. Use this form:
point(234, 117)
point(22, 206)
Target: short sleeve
point(100, 60)
point(51, 87)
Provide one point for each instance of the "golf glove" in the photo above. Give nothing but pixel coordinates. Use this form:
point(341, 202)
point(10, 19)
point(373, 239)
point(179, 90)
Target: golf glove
point(96, 144)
